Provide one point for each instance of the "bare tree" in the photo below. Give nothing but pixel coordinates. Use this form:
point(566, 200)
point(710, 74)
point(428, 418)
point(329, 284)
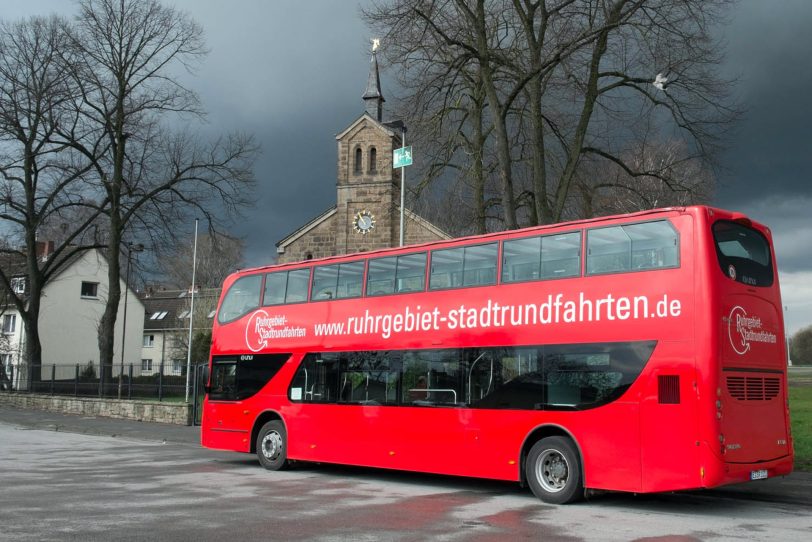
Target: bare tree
point(43, 179)
point(653, 176)
point(568, 81)
point(150, 175)
point(218, 255)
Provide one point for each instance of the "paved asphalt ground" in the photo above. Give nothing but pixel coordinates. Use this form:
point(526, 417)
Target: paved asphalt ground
point(795, 488)
point(106, 479)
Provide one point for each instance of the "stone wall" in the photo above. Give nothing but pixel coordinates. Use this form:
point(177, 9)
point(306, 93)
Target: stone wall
point(145, 411)
point(319, 242)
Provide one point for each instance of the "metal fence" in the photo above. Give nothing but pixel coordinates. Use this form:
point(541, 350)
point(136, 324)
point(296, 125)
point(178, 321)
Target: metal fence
point(164, 382)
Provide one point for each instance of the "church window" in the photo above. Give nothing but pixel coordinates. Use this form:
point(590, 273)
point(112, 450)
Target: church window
point(358, 160)
point(373, 159)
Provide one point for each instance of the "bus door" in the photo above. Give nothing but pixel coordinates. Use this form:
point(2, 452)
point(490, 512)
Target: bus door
point(338, 399)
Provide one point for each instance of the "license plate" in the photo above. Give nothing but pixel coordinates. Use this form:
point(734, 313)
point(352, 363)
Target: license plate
point(758, 474)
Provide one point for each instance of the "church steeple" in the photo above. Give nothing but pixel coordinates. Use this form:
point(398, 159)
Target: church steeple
point(372, 95)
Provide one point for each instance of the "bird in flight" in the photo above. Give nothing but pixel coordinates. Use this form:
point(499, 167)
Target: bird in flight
point(660, 81)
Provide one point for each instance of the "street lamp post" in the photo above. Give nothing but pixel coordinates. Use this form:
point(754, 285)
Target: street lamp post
point(137, 247)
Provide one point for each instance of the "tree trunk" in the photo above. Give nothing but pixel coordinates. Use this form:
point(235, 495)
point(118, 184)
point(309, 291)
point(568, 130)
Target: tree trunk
point(107, 324)
point(499, 123)
point(478, 169)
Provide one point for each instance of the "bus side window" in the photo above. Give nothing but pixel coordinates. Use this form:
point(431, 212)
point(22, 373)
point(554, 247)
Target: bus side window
point(411, 273)
point(381, 276)
point(316, 380)
point(631, 247)
point(338, 281)
point(433, 377)
point(223, 381)
point(608, 251)
point(275, 284)
point(397, 274)
point(464, 266)
point(654, 245)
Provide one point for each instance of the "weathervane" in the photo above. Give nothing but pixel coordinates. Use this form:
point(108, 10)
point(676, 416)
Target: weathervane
point(375, 43)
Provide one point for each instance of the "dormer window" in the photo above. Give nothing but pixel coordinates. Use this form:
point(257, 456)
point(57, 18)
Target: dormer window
point(358, 160)
point(373, 160)
point(18, 285)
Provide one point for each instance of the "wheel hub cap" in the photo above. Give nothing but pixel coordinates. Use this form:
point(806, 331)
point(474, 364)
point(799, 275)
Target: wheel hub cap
point(272, 446)
point(552, 471)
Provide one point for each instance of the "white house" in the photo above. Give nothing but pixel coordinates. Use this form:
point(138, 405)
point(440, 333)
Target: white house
point(72, 304)
point(166, 327)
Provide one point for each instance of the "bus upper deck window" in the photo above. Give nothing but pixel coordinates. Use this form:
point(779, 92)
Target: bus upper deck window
point(242, 297)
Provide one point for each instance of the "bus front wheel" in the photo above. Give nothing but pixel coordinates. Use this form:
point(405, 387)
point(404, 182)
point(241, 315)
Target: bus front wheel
point(272, 446)
point(553, 471)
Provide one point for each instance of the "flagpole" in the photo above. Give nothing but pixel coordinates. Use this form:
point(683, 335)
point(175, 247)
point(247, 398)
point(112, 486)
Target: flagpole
point(191, 320)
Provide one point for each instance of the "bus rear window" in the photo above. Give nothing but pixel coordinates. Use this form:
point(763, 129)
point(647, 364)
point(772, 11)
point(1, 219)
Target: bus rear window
point(743, 253)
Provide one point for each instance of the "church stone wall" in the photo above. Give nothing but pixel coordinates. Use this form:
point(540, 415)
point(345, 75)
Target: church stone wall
point(318, 242)
point(415, 232)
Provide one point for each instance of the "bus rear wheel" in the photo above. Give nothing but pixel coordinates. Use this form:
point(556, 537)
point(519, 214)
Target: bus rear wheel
point(272, 446)
point(553, 471)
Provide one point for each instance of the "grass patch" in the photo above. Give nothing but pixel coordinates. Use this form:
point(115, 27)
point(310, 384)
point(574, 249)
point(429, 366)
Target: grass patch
point(800, 411)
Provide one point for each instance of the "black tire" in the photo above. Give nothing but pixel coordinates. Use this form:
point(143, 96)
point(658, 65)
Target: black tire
point(272, 446)
point(553, 471)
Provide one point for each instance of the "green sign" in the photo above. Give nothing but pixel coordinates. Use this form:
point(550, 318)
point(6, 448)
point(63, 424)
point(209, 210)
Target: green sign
point(402, 157)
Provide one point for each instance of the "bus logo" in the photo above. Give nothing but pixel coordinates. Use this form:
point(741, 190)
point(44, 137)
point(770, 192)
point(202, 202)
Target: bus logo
point(262, 327)
point(731, 271)
point(743, 330)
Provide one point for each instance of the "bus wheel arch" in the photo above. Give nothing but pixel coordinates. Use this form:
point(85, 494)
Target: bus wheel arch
point(552, 465)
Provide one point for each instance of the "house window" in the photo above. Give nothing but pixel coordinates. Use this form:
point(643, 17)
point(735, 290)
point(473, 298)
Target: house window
point(90, 289)
point(146, 364)
point(177, 366)
point(373, 160)
point(149, 341)
point(9, 323)
point(18, 285)
point(184, 314)
point(358, 160)
point(159, 315)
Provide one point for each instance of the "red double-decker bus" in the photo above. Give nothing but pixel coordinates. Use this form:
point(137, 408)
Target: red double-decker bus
point(640, 353)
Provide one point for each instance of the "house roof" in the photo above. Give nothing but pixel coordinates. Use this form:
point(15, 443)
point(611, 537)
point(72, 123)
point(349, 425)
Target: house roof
point(14, 265)
point(163, 308)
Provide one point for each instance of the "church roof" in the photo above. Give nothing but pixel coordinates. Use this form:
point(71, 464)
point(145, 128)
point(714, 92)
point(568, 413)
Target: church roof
point(312, 223)
point(385, 127)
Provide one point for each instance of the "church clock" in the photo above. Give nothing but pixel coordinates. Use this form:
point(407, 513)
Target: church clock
point(363, 222)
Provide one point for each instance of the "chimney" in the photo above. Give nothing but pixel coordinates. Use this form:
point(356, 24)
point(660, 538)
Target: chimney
point(44, 250)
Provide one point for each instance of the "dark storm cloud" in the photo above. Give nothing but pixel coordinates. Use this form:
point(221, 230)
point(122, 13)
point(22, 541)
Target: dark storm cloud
point(769, 46)
point(292, 73)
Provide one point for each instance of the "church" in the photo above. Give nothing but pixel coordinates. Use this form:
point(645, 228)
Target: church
point(366, 215)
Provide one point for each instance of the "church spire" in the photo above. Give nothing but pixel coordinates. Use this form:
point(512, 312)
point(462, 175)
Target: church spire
point(372, 95)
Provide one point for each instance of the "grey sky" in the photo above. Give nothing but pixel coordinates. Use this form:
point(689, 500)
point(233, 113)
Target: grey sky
point(292, 72)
